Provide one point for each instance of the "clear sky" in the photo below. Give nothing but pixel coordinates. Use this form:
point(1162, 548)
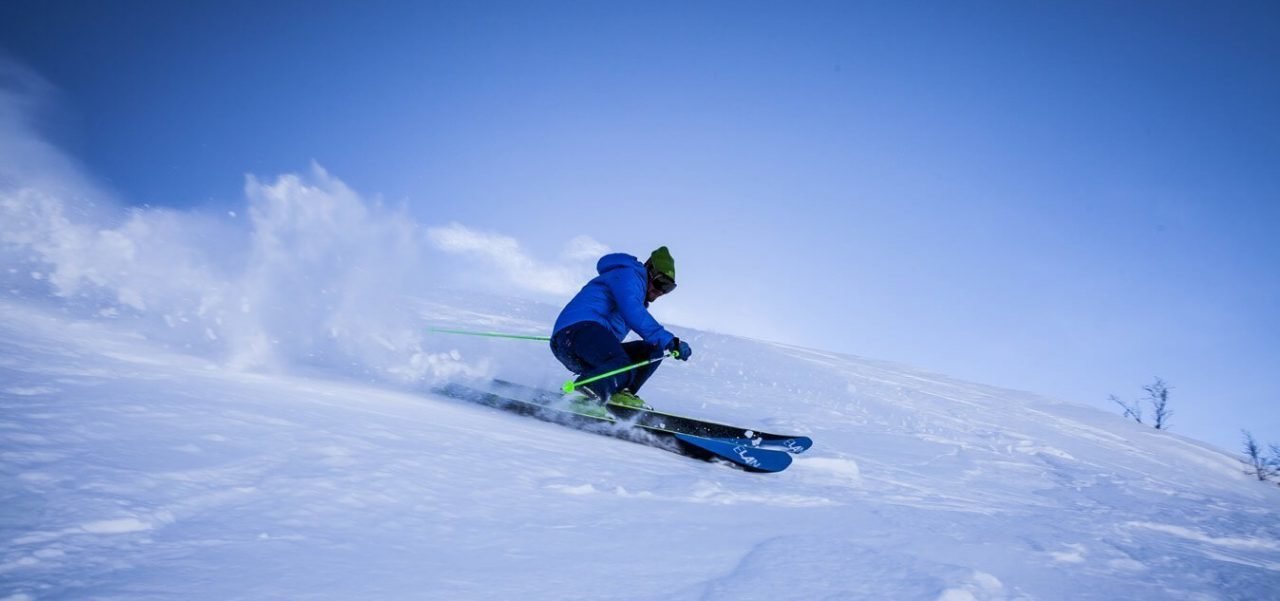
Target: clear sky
point(1069, 198)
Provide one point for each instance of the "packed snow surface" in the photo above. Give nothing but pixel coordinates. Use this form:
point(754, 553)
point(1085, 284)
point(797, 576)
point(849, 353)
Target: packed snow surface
point(135, 468)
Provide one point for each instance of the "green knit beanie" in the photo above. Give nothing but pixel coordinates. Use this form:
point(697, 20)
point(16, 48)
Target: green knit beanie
point(660, 260)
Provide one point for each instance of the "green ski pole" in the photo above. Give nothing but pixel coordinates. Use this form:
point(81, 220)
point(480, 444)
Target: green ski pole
point(490, 334)
point(570, 385)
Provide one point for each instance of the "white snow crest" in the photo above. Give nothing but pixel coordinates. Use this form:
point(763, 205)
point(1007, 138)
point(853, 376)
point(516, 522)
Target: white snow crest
point(505, 255)
point(982, 587)
point(828, 470)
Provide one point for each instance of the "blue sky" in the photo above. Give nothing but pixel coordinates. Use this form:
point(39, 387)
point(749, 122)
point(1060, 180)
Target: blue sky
point(1066, 198)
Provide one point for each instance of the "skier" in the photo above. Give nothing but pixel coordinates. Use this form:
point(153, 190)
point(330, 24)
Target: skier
point(589, 332)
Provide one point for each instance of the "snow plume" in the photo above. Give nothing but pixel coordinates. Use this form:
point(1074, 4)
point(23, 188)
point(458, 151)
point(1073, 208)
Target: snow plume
point(134, 260)
point(516, 267)
point(307, 272)
point(316, 276)
point(62, 235)
point(24, 155)
point(328, 276)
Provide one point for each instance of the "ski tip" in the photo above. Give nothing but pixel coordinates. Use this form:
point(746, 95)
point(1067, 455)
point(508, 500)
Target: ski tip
point(750, 458)
point(797, 444)
point(794, 444)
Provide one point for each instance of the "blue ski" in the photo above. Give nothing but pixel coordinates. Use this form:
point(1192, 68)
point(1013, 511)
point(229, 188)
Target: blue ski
point(676, 423)
point(740, 453)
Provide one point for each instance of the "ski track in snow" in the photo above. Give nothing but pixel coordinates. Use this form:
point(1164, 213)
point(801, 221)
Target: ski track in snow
point(128, 471)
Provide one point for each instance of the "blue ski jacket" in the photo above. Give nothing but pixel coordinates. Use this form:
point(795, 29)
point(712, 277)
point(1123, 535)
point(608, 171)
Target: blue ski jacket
point(615, 299)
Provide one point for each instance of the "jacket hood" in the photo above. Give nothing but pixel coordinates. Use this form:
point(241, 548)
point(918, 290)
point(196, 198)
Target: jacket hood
point(614, 261)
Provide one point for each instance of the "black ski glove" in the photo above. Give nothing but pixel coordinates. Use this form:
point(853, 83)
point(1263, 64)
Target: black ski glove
point(680, 349)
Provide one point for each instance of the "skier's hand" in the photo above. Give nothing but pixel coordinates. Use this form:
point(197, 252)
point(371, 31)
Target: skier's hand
point(680, 349)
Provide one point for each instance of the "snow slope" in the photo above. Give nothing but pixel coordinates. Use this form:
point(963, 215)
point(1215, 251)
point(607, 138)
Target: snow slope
point(135, 468)
point(198, 406)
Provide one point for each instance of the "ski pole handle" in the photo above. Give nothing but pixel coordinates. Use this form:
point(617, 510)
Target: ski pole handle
point(570, 385)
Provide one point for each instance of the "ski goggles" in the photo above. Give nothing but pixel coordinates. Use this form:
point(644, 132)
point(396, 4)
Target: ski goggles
point(662, 283)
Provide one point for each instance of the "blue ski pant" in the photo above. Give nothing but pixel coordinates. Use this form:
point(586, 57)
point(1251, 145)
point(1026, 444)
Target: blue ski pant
point(588, 348)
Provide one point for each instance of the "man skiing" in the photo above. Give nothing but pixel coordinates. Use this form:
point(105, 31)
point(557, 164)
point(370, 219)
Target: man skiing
point(589, 332)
